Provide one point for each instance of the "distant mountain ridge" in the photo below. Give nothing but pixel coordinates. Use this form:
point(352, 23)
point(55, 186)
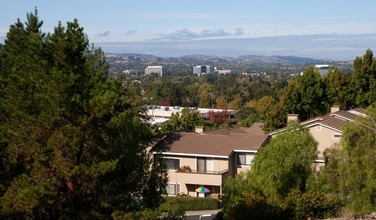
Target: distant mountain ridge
point(238, 59)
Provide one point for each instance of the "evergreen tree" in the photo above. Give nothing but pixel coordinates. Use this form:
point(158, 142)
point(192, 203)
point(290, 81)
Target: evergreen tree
point(364, 79)
point(72, 142)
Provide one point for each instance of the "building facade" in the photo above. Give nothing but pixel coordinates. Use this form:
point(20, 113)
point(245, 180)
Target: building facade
point(201, 70)
point(207, 159)
point(327, 129)
point(154, 69)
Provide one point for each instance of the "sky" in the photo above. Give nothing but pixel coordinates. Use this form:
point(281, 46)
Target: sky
point(325, 29)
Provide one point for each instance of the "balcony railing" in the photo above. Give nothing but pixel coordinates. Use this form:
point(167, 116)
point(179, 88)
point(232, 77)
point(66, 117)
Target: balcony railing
point(203, 172)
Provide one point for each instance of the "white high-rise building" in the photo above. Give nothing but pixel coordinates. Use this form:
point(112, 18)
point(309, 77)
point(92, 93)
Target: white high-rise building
point(153, 69)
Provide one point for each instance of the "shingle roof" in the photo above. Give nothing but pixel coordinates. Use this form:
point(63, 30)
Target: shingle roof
point(216, 143)
point(333, 120)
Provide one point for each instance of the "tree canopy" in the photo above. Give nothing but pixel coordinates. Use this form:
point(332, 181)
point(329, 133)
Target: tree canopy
point(72, 142)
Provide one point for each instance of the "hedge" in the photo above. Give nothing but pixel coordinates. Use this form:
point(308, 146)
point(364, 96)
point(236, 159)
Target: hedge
point(193, 203)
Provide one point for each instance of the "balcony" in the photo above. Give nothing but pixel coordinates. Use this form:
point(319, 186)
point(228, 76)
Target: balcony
point(200, 177)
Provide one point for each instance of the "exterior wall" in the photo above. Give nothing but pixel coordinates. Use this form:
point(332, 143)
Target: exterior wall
point(188, 179)
point(153, 69)
point(324, 137)
point(242, 168)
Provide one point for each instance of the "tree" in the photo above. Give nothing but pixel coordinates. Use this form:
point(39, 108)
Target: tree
point(184, 121)
point(339, 89)
point(264, 106)
point(306, 95)
point(353, 165)
point(274, 176)
point(72, 142)
point(363, 79)
point(221, 102)
point(282, 166)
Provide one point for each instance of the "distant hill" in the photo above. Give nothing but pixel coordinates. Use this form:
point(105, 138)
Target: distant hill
point(240, 59)
point(280, 59)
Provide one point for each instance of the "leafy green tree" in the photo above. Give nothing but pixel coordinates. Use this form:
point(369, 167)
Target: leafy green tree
point(353, 165)
point(72, 142)
point(274, 175)
point(184, 121)
point(282, 166)
point(306, 96)
point(275, 118)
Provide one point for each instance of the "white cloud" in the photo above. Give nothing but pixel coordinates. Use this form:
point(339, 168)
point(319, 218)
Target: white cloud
point(182, 15)
point(186, 34)
point(104, 34)
point(130, 32)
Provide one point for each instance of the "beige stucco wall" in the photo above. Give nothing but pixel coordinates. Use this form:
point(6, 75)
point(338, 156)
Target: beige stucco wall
point(182, 178)
point(324, 137)
point(242, 168)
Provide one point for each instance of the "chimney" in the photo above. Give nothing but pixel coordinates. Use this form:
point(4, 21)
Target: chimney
point(199, 129)
point(334, 108)
point(292, 117)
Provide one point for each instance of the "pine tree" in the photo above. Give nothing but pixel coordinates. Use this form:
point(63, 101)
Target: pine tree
point(73, 144)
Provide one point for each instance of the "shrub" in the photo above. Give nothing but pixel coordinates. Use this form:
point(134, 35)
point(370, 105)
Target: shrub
point(252, 206)
point(311, 203)
point(192, 203)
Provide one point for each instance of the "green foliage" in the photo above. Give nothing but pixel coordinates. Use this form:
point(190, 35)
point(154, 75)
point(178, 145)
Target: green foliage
point(251, 206)
point(72, 142)
point(306, 96)
point(173, 208)
point(310, 204)
point(363, 79)
point(273, 175)
point(184, 121)
point(339, 89)
point(192, 203)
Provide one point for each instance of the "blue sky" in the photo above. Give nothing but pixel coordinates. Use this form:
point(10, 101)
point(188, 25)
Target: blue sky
point(332, 29)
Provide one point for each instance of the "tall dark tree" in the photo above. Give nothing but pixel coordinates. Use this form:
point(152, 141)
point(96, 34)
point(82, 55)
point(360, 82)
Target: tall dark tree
point(364, 79)
point(339, 89)
point(72, 142)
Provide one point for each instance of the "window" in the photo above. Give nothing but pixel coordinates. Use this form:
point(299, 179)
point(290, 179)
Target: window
point(244, 158)
point(171, 163)
point(205, 165)
point(172, 189)
point(337, 136)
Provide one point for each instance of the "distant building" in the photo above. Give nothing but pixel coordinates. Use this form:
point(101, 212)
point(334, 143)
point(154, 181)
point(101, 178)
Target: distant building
point(201, 70)
point(224, 72)
point(159, 114)
point(323, 68)
point(153, 69)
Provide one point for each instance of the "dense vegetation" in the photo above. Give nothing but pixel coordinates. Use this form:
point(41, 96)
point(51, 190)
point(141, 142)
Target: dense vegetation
point(72, 142)
point(290, 187)
point(266, 97)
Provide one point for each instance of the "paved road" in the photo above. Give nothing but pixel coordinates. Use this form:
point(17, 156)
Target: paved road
point(200, 215)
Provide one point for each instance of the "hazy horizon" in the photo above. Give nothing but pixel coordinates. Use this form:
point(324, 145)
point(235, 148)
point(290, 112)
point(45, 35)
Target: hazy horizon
point(335, 30)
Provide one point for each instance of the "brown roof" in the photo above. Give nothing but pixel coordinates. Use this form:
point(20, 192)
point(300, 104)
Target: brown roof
point(333, 120)
point(217, 143)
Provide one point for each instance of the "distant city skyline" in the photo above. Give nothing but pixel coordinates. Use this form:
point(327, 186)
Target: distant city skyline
point(335, 29)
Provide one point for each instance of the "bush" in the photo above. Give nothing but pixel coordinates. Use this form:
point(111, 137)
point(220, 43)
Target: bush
point(192, 203)
point(311, 203)
point(251, 206)
point(173, 208)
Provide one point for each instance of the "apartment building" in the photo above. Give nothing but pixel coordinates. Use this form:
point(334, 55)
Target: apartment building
point(207, 159)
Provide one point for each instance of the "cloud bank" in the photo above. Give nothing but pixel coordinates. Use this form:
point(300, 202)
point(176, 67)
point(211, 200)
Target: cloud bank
point(323, 46)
